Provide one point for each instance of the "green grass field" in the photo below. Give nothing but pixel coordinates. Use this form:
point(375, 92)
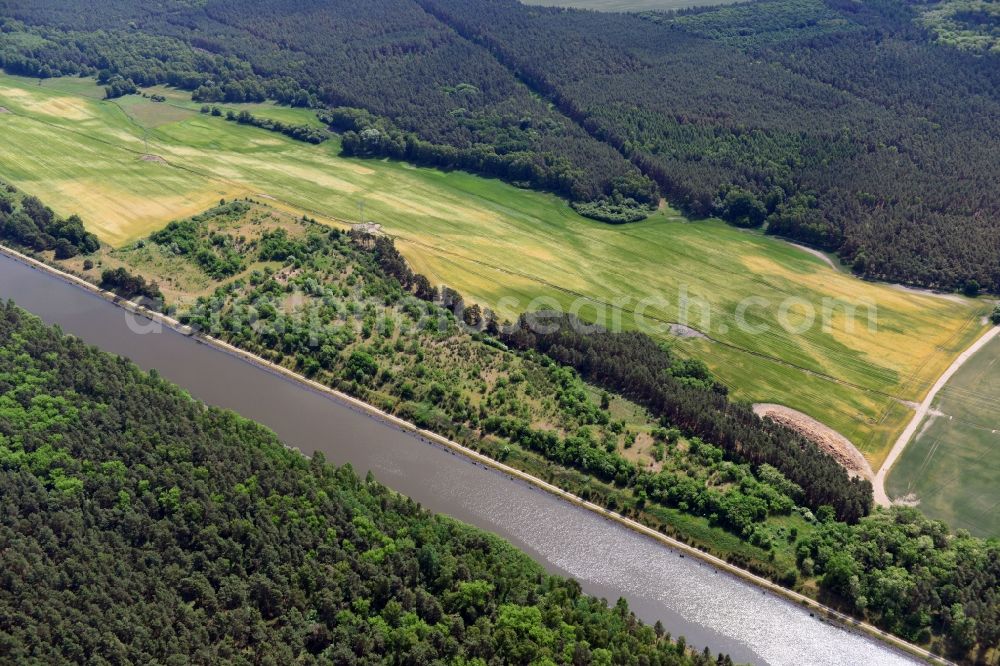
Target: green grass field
point(504, 247)
point(951, 464)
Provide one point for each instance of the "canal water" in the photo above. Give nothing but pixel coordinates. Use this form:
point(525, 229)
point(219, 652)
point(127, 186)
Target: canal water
point(690, 598)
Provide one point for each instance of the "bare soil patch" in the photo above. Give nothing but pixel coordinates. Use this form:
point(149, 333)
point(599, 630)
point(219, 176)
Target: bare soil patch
point(816, 253)
point(826, 438)
point(153, 158)
point(4, 109)
point(955, 298)
point(682, 331)
point(907, 500)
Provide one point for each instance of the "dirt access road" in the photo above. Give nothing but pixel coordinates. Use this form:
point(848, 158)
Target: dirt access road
point(881, 497)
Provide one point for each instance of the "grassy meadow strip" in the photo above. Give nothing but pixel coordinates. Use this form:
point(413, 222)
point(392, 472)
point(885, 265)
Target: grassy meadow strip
point(130, 165)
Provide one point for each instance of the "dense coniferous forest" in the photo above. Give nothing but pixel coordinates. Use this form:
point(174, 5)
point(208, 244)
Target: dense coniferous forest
point(839, 124)
point(140, 526)
point(842, 125)
point(847, 126)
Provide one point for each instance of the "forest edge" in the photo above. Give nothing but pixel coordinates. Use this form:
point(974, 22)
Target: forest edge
point(846, 622)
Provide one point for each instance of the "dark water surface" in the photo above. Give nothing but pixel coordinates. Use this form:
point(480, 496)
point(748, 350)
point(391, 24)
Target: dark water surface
point(692, 599)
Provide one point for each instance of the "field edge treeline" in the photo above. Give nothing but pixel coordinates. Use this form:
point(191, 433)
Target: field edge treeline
point(820, 140)
point(661, 500)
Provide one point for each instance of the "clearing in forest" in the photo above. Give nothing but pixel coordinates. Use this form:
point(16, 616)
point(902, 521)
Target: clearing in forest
point(509, 249)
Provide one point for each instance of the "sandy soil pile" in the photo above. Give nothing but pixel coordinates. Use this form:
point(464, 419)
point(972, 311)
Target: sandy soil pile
point(826, 438)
